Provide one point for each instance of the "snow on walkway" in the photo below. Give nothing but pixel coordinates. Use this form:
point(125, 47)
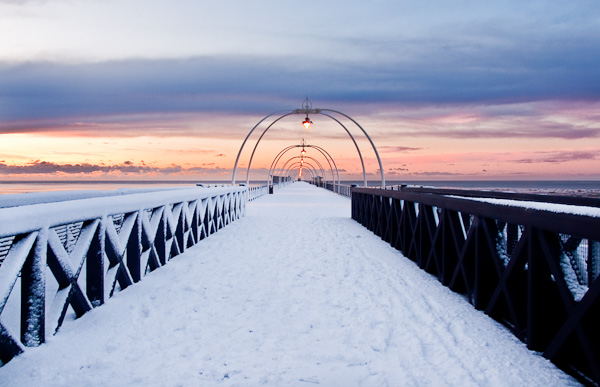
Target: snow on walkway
point(296, 293)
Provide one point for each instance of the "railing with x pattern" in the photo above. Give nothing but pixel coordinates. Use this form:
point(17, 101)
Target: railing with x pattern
point(534, 270)
point(63, 259)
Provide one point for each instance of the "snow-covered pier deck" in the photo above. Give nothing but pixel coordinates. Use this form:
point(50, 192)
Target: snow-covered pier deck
point(294, 293)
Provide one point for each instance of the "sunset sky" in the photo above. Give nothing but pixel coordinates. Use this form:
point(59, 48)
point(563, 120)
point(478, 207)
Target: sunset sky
point(167, 90)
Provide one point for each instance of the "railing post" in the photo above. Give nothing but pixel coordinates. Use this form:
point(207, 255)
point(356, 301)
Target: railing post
point(593, 260)
point(33, 293)
point(134, 249)
point(544, 316)
point(95, 266)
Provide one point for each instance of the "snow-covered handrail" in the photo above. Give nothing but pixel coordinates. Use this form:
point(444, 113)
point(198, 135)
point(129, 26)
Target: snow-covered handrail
point(94, 247)
point(533, 267)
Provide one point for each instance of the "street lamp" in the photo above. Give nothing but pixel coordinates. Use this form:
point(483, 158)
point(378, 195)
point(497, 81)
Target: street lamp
point(307, 105)
point(307, 122)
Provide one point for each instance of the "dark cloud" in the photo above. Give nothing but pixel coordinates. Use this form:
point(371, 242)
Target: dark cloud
point(541, 129)
point(45, 167)
point(390, 149)
point(560, 157)
point(432, 173)
point(430, 73)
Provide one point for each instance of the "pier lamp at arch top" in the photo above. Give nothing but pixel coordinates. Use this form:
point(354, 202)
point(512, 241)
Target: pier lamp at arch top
point(307, 105)
point(306, 110)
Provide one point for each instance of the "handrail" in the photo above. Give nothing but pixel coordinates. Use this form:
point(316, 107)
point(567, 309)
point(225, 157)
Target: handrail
point(106, 244)
point(532, 267)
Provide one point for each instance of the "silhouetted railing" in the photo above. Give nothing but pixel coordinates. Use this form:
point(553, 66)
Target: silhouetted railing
point(534, 270)
point(78, 253)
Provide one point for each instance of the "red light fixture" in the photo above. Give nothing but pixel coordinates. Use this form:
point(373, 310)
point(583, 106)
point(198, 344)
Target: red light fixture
point(307, 122)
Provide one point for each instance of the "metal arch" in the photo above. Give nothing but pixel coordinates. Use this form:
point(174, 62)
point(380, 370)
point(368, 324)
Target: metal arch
point(306, 110)
point(296, 165)
point(309, 168)
point(312, 168)
point(310, 158)
point(312, 174)
point(277, 158)
point(237, 159)
point(362, 162)
point(306, 157)
point(337, 172)
point(368, 137)
point(318, 148)
point(300, 111)
point(256, 146)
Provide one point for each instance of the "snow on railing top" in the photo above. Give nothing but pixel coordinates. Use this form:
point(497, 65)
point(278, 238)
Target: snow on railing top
point(551, 207)
point(531, 265)
point(93, 247)
point(22, 219)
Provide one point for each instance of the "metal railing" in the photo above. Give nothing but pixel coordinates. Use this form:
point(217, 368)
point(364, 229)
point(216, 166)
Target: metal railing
point(66, 258)
point(341, 189)
point(257, 191)
point(534, 270)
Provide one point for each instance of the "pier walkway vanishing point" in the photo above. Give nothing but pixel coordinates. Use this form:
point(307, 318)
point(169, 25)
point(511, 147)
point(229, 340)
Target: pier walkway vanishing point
point(294, 293)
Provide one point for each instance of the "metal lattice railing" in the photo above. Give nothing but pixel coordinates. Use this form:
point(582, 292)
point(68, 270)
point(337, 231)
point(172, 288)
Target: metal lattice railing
point(341, 189)
point(534, 270)
point(60, 260)
point(257, 191)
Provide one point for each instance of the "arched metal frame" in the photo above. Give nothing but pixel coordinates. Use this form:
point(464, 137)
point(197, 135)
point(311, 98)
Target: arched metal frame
point(306, 110)
point(306, 157)
point(306, 165)
point(318, 148)
point(362, 162)
point(310, 168)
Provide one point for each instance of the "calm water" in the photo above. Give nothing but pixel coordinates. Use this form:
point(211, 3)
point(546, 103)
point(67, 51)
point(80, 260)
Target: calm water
point(560, 187)
point(13, 187)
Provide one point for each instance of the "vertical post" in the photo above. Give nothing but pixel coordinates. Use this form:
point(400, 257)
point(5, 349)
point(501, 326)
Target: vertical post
point(544, 314)
point(512, 237)
point(95, 266)
point(33, 293)
point(134, 249)
point(161, 237)
point(593, 262)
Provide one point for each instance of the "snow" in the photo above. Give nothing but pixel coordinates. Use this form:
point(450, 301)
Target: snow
point(296, 293)
point(551, 207)
point(28, 218)
point(29, 198)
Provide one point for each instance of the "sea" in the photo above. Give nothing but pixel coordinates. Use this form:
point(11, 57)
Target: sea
point(589, 188)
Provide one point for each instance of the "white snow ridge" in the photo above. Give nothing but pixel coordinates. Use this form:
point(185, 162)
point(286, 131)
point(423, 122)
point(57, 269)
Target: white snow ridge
point(294, 294)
